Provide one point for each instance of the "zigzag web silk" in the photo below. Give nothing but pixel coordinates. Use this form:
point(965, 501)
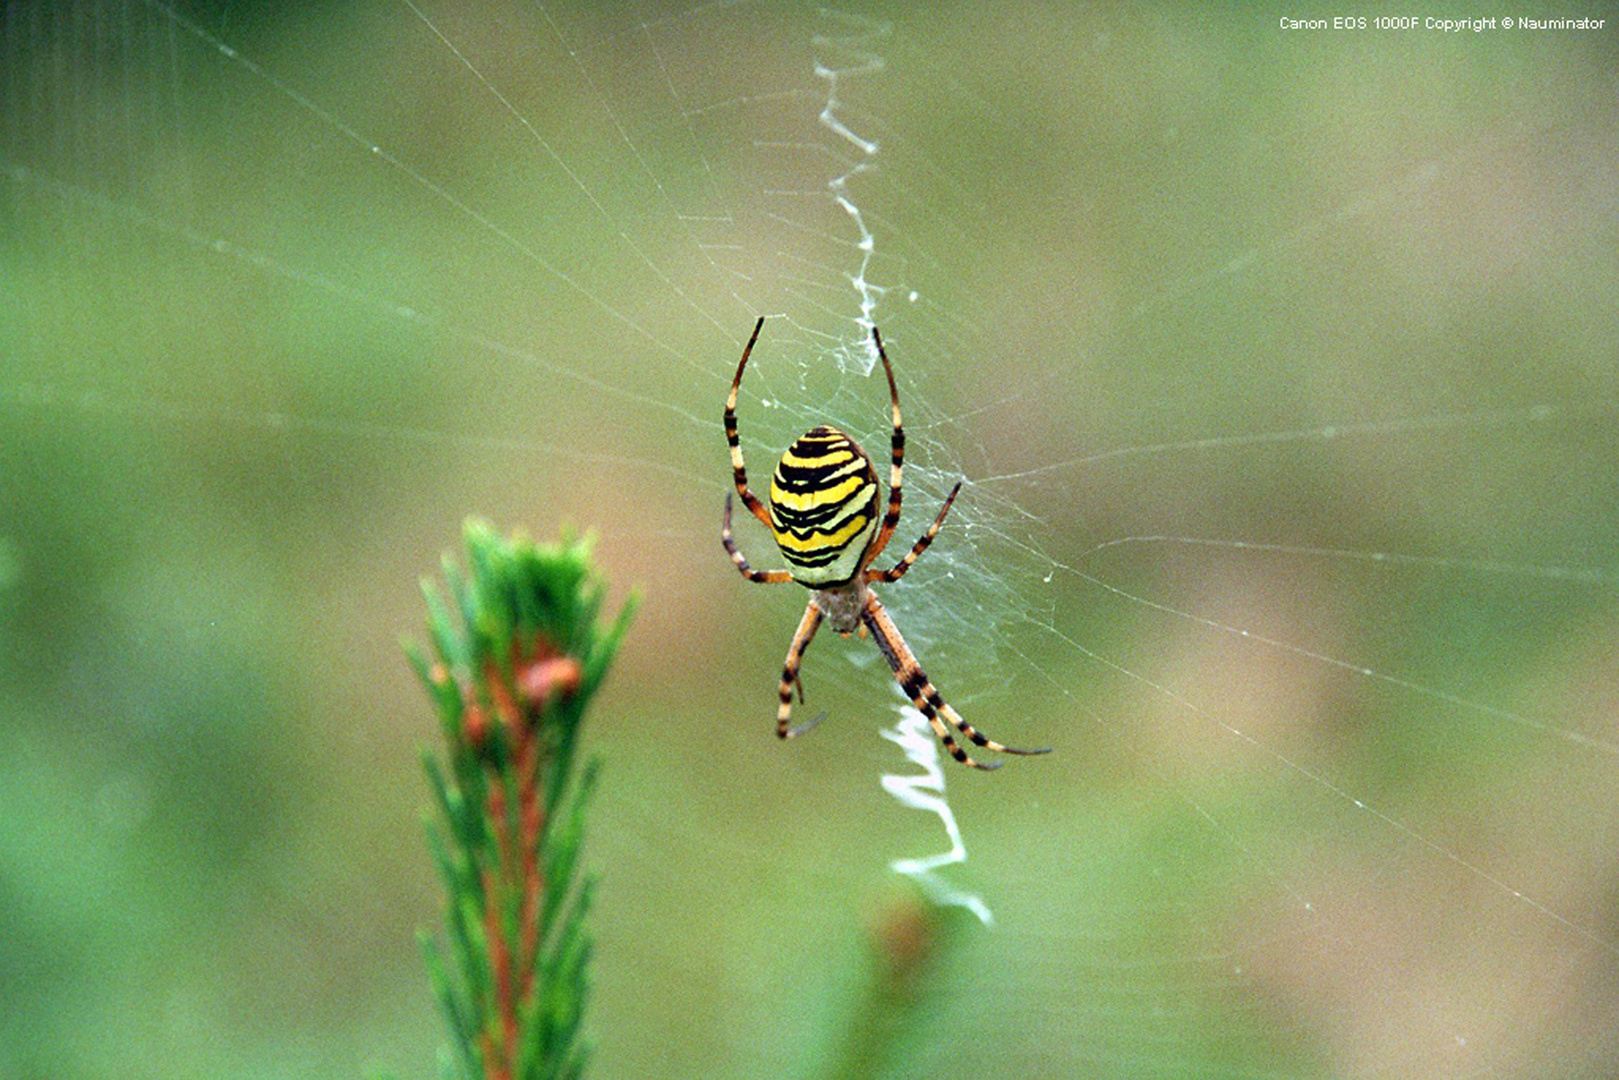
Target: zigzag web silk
point(925, 789)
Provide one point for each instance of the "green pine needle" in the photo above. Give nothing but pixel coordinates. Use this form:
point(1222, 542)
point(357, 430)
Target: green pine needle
point(517, 653)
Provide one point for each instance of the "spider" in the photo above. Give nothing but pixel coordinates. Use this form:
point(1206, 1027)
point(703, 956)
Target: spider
point(823, 515)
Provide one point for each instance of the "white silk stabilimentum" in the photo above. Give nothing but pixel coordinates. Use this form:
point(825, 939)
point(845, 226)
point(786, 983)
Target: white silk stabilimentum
point(925, 791)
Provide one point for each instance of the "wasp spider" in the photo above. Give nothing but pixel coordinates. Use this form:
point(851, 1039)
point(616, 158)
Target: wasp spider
point(823, 515)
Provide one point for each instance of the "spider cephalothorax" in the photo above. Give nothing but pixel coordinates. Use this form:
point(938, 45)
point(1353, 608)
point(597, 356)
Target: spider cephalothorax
point(823, 515)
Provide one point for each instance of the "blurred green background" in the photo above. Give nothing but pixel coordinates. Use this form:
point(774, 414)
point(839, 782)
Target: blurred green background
point(1282, 369)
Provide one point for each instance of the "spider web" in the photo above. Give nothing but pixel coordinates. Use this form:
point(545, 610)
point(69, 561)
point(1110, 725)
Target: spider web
point(1283, 392)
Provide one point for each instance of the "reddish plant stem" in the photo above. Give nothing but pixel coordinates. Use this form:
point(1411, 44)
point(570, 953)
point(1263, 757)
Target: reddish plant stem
point(492, 1068)
point(532, 824)
point(499, 1066)
point(517, 871)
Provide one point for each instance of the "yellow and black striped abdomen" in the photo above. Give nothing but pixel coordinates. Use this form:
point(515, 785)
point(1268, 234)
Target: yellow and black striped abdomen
point(823, 507)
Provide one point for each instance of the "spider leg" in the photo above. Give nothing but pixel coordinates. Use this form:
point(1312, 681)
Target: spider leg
point(896, 469)
point(739, 471)
point(899, 568)
point(923, 694)
point(789, 674)
point(763, 577)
